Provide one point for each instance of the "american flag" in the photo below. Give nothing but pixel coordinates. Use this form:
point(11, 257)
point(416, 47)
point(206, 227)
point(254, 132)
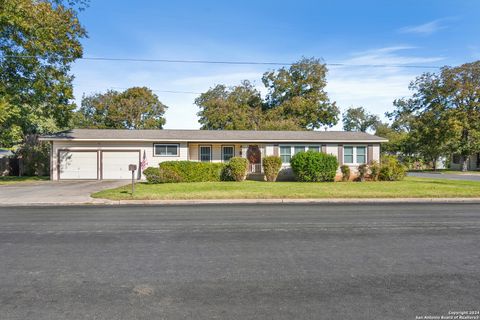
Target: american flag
point(144, 162)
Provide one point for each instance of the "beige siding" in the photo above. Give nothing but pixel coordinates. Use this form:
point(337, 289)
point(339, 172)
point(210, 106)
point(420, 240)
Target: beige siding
point(186, 151)
point(216, 150)
point(332, 149)
point(216, 153)
point(192, 152)
point(269, 150)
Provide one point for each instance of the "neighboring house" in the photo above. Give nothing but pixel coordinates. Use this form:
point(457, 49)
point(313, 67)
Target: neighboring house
point(472, 164)
point(5, 153)
point(106, 154)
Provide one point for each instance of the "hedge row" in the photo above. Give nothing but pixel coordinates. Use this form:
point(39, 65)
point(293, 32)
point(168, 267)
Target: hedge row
point(191, 171)
point(307, 166)
point(184, 171)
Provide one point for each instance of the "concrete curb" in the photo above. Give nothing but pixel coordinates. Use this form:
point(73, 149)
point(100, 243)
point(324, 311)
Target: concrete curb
point(106, 202)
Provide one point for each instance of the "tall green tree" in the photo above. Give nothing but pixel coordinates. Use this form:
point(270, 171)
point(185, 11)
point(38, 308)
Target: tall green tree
point(296, 100)
point(358, 119)
point(445, 112)
point(298, 92)
point(39, 40)
point(460, 89)
point(235, 108)
point(398, 139)
point(134, 108)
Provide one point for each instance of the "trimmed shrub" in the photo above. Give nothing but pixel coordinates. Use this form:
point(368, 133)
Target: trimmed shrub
point(374, 170)
point(152, 174)
point(362, 172)
point(391, 169)
point(155, 175)
point(312, 166)
point(235, 169)
point(345, 172)
point(271, 167)
point(190, 171)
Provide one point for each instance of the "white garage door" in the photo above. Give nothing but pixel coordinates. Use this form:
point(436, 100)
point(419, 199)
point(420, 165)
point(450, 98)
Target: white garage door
point(78, 165)
point(115, 164)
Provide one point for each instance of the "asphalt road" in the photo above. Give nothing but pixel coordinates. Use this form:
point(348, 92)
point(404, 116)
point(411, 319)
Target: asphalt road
point(447, 176)
point(394, 261)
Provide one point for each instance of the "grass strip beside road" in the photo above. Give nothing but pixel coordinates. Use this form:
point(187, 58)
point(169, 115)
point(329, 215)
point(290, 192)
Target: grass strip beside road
point(409, 188)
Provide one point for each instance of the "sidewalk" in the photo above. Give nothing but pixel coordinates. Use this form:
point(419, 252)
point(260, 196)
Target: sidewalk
point(106, 202)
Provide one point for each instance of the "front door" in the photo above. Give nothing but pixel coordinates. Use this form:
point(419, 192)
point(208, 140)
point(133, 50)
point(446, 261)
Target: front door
point(254, 156)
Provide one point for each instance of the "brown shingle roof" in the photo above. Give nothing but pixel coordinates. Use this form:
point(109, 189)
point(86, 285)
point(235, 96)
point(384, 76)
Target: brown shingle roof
point(213, 135)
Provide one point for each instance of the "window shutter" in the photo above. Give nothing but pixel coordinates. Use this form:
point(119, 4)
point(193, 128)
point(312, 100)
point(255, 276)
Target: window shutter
point(340, 154)
point(369, 153)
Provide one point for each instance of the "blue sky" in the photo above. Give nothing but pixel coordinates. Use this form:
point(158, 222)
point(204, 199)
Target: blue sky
point(421, 32)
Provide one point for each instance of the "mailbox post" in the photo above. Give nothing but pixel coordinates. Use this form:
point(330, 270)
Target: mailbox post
point(132, 167)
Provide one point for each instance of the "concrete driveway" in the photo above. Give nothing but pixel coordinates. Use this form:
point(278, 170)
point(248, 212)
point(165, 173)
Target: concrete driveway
point(448, 176)
point(54, 192)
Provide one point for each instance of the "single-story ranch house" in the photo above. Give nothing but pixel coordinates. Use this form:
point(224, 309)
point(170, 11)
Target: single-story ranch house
point(106, 153)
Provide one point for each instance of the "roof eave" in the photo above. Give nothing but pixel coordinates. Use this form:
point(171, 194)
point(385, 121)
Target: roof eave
point(218, 140)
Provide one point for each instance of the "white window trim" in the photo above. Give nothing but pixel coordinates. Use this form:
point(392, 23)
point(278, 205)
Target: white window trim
point(200, 152)
point(354, 154)
point(223, 153)
point(168, 145)
point(292, 149)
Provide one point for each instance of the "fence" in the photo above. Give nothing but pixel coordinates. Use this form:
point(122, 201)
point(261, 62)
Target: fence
point(9, 166)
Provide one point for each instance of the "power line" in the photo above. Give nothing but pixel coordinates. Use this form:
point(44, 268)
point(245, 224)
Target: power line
point(155, 90)
point(238, 62)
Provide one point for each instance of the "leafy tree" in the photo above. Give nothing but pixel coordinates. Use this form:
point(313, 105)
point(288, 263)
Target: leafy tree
point(138, 108)
point(94, 111)
point(358, 119)
point(299, 93)
point(35, 156)
point(296, 101)
point(460, 91)
point(235, 108)
point(39, 40)
point(10, 131)
point(134, 108)
point(445, 112)
point(397, 136)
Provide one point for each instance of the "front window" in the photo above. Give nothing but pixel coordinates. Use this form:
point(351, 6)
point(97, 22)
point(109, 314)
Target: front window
point(354, 155)
point(227, 152)
point(285, 153)
point(165, 150)
point(361, 155)
point(205, 153)
point(347, 154)
point(298, 149)
point(314, 148)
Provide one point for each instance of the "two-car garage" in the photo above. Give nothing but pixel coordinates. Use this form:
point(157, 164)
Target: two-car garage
point(97, 164)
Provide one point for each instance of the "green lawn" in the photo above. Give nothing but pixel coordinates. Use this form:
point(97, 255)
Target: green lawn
point(12, 179)
point(409, 188)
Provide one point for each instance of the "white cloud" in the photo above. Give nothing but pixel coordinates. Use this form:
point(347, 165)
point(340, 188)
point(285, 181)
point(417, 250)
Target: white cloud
point(390, 56)
point(425, 28)
point(375, 88)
